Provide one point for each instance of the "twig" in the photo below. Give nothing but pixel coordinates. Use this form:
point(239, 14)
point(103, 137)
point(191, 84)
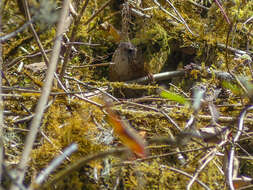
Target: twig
point(81, 43)
point(139, 13)
point(234, 50)
point(1, 102)
point(202, 117)
point(209, 157)
point(222, 10)
point(170, 168)
point(190, 176)
point(39, 42)
point(28, 15)
point(182, 19)
point(223, 118)
point(159, 77)
point(13, 179)
point(8, 95)
point(89, 101)
point(219, 74)
point(44, 97)
point(92, 87)
point(232, 151)
point(54, 164)
point(164, 10)
point(18, 59)
point(74, 31)
point(72, 38)
point(153, 140)
point(93, 65)
point(81, 163)
point(98, 11)
point(14, 33)
point(248, 20)
point(6, 88)
point(28, 118)
point(153, 109)
point(50, 141)
point(198, 5)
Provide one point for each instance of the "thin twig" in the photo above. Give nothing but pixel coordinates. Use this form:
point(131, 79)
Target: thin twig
point(222, 10)
point(93, 65)
point(44, 97)
point(139, 13)
point(72, 38)
point(18, 59)
point(234, 50)
point(209, 158)
point(190, 176)
point(81, 43)
point(81, 163)
point(16, 32)
point(54, 164)
point(13, 179)
point(1, 101)
point(182, 19)
point(159, 77)
point(170, 168)
point(159, 156)
point(164, 10)
point(28, 15)
point(198, 5)
point(89, 101)
point(235, 140)
point(92, 87)
point(98, 11)
point(39, 42)
point(55, 146)
point(74, 31)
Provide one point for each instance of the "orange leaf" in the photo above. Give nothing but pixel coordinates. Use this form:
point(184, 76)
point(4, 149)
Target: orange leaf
point(127, 135)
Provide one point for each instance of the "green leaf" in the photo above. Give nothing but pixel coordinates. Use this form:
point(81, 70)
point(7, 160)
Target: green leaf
point(174, 97)
point(235, 89)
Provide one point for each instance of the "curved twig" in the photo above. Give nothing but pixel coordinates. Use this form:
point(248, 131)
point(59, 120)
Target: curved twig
point(236, 138)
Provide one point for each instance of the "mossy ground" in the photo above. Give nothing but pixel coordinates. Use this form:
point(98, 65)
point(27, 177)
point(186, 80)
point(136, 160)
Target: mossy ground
point(167, 45)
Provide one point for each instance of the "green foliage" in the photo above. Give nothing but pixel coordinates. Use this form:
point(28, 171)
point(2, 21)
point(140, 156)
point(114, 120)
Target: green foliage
point(174, 97)
point(233, 87)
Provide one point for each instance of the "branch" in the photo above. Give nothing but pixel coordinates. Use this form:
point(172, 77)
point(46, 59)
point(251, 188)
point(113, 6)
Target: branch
point(74, 31)
point(235, 140)
point(72, 38)
point(44, 97)
point(159, 77)
point(14, 33)
point(81, 163)
point(54, 164)
point(1, 102)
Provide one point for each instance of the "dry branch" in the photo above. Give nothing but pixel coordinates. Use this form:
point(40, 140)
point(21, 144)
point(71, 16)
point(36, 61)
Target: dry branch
point(44, 97)
point(1, 101)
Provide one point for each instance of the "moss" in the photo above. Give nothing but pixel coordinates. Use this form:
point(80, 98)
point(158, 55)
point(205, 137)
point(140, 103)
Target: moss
point(164, 44)
point(66, 123)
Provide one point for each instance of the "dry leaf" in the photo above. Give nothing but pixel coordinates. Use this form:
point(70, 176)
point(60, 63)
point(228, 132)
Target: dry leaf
point(126, 133)
point(36, 67)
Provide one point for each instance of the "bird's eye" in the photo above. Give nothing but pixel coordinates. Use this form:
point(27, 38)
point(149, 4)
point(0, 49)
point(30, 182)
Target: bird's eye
point(130, 50)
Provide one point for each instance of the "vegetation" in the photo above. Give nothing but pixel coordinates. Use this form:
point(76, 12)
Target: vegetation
point(189, 128)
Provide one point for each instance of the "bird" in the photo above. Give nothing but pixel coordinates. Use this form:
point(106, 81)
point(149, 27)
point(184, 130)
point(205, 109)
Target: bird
point(127, 64)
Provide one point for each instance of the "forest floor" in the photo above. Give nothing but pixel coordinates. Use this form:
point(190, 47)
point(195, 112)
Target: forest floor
point(144, 94)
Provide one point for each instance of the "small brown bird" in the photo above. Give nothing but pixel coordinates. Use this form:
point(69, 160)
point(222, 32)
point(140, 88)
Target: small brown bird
point(127, 65)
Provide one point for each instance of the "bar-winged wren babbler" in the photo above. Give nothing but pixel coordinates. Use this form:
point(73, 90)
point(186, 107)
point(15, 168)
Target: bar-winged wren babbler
point(127, 66)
